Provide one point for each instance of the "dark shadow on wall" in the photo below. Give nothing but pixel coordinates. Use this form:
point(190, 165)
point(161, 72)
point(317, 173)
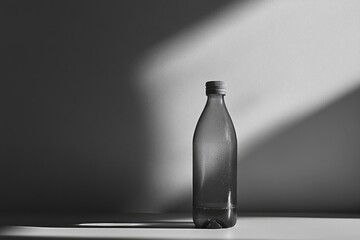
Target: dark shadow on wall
point(310, 168)
point(73, 132)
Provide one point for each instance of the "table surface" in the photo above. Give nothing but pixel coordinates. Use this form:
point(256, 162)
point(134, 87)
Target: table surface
point(181, 227)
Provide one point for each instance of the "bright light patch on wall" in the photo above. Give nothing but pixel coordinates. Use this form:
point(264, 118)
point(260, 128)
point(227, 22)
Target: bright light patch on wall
point(281, 60)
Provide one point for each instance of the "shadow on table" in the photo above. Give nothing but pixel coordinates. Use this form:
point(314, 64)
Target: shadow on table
point(125, 220)
point(94, 227)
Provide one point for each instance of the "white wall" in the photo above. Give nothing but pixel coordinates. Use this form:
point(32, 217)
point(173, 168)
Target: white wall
point(282, 61)
point(99, 101)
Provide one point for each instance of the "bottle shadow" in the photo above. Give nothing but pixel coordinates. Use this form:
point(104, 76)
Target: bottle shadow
point(100, 227)
point(176, 224)
point(130, 220)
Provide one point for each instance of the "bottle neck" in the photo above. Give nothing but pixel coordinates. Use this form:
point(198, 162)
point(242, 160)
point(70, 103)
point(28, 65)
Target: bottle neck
point(215, 99)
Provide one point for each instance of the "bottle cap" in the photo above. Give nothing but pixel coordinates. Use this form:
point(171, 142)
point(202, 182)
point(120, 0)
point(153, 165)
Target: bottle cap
point(215, 87)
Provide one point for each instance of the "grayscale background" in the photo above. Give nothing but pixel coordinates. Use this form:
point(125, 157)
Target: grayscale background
point(99, 101)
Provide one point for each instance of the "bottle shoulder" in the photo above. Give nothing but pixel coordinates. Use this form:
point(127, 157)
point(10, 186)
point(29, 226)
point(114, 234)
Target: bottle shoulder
point(215, 124)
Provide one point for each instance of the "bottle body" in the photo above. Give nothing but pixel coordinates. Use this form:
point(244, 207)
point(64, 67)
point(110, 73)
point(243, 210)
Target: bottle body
point(214, 167)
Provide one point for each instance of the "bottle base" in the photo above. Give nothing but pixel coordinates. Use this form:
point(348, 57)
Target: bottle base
point(214, 217)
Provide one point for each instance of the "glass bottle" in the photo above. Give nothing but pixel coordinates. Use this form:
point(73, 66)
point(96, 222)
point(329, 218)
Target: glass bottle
point(214, 163)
